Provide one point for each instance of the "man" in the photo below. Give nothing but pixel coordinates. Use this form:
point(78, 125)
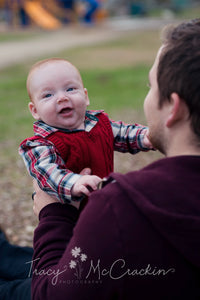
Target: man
point(139, 237)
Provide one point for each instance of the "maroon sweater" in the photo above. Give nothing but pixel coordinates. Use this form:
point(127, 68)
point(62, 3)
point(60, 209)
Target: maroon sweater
point(138, 238)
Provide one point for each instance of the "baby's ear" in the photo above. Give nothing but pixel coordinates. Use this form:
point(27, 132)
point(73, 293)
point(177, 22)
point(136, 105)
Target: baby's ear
point(33, 110)
point(86, 96)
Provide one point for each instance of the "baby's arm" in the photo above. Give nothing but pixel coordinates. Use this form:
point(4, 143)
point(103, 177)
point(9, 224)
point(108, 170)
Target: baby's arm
point(46, 165)
point(130, 137)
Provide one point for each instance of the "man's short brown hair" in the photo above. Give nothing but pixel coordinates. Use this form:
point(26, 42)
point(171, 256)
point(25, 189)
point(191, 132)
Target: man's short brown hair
point(179, 68)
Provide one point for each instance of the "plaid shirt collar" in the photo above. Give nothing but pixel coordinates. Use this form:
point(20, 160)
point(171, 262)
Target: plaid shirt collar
point(42, 129)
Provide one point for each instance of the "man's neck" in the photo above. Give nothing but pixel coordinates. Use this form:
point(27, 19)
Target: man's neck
point(183, 142)
point(175, 152)
point(178, 148)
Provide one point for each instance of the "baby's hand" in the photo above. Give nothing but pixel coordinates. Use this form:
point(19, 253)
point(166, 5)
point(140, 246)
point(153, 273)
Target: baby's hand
point(84, 185)
point(146, 141)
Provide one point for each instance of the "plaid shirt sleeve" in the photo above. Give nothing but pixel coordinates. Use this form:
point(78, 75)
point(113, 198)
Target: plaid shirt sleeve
point(46, 165)
point(128, 137)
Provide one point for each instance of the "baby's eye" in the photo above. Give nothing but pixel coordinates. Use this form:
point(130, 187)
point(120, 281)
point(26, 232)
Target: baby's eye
point(70, 89)
point(47, 95)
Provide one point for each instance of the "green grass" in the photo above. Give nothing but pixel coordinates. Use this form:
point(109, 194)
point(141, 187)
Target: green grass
point(189, 13)
point(183, 12)
point(108, 89)
point(116, 89)
point(14, 116)
point(19, 35)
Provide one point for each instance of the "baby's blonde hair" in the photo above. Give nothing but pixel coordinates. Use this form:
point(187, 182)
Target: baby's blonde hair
point(41, 63)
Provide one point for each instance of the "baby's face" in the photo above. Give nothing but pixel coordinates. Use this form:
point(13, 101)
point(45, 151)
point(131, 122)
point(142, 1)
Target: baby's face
point(58, 96)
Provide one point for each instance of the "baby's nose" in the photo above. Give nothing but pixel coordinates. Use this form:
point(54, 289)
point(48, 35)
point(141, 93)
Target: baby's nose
point(62, 98)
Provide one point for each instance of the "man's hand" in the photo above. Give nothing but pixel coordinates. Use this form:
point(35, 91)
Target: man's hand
point(84, 185)
point(41, 199)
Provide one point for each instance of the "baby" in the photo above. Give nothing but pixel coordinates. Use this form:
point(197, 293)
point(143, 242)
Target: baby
point(68, 137)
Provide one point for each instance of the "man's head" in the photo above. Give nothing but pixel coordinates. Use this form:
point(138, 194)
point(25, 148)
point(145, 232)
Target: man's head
point(173, 102)
point(57, 94)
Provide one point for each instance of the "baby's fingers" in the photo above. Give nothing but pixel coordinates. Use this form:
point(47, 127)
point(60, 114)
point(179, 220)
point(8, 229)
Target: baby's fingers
point(84, 190)
point(94, 183)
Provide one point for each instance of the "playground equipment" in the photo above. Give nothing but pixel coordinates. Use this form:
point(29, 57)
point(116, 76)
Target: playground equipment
point(47, 14)
point(40, 16)
point(60, 12)
point(34, 9)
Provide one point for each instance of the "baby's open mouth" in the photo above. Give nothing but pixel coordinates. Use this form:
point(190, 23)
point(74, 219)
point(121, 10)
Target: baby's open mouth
point(65, 110)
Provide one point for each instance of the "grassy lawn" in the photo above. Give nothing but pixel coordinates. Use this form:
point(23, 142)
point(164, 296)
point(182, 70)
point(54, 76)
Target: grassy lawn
point(19, 35)
point(117, 89)
point(190, 12)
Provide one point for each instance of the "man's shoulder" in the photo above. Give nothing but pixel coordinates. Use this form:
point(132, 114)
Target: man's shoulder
point(157, 178)
point(122, 193)
point(150, 168)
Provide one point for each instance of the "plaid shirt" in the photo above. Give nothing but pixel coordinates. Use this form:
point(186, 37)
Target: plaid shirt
point(46, 165)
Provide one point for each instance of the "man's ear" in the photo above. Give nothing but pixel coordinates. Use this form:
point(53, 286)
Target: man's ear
point(33, 110)
point(86, 96)
point(177, 110)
